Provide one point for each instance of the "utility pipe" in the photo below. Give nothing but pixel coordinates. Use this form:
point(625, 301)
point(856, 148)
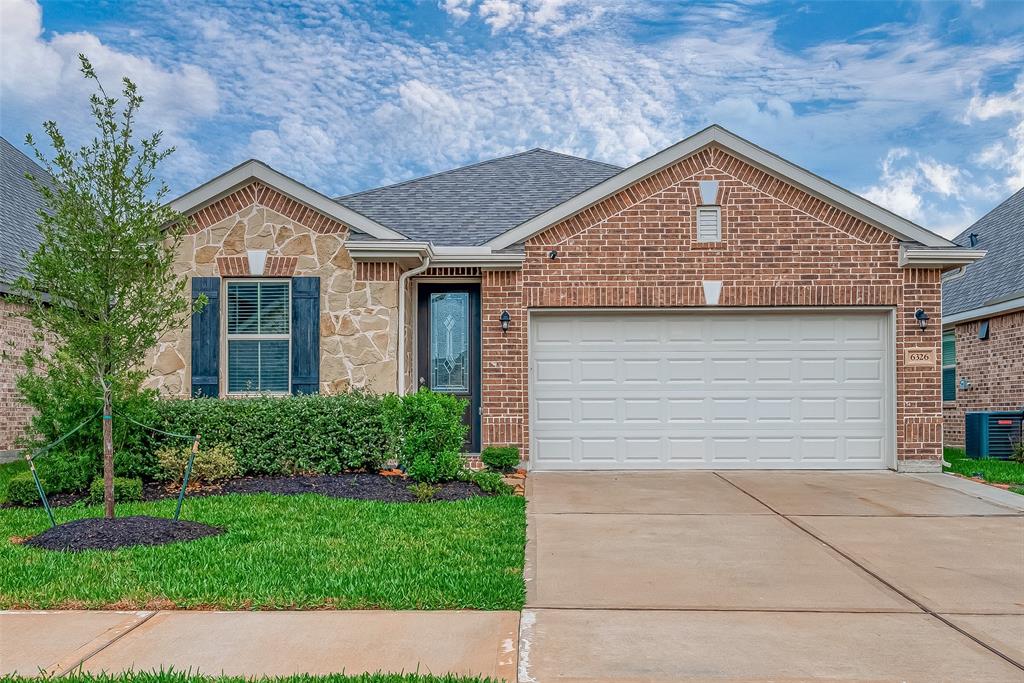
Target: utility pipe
point(402, 280)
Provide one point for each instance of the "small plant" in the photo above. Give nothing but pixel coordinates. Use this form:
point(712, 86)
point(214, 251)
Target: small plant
point(501, 458)
point(1017, 450)
point(21, 490)
point(489, 482)
point(423, 491)
point(125, 488)
point(212, 465)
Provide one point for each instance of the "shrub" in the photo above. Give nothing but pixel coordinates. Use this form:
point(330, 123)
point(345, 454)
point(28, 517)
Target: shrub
point(125, 489)
point(62, 401)
point(500, 457)
point(423, 491)
point(432, 435)
point(211, 465)
point(489, 482)
point(21, 490)
point(284, 435)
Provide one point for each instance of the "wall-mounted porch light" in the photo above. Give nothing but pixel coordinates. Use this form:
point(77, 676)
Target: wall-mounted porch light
point(922, 318)
point(505, 319)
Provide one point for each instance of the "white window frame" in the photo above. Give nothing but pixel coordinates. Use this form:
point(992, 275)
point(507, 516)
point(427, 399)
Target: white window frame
point(227, 337)
point(717, 210)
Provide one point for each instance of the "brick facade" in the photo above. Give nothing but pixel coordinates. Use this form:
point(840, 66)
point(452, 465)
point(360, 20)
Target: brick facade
point(779, 247)
point(16, 336)
point(994, 367)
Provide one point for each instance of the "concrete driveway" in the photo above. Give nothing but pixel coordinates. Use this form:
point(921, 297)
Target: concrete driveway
point(747, 576)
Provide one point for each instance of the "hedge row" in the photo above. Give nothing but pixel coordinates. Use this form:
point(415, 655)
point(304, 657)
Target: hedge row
point(325, 434)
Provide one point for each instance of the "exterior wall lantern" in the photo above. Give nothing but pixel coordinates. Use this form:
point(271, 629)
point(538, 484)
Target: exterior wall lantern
point(505, 319)
point(922, 318)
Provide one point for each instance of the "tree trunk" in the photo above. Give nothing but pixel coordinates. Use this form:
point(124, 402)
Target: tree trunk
point(108, 455)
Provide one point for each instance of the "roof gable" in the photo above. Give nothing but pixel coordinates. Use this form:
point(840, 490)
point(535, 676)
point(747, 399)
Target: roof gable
point(1000, 275)
point(247, 172)
point(472, 204)
point(772, 166)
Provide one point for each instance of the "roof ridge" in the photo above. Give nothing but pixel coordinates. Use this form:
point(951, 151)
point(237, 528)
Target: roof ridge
point(462, 168)
point(573, 156)
point(966, 231)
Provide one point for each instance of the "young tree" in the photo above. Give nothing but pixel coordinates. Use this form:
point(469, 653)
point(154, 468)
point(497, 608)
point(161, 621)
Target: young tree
point(102, 284)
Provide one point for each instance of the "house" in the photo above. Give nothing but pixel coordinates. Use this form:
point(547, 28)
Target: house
point(983, 321)
point(712, 306)
point(19, 214)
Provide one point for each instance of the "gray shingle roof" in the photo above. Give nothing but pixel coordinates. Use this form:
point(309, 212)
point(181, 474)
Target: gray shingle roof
point(472, 204)
point(19, 206)
point(998, 276)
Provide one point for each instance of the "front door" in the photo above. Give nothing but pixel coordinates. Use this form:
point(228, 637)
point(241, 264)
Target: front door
point(449, 347)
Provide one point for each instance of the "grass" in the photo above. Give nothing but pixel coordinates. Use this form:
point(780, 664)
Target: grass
point(299, 552)
point(177, 677)
point(8, 470)
point(994, 471)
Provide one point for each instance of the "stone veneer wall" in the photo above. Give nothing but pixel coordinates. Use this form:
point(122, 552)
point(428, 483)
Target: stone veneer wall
point(358, 312)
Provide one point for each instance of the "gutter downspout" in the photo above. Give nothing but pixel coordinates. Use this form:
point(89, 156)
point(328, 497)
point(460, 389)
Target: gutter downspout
point(402, 280)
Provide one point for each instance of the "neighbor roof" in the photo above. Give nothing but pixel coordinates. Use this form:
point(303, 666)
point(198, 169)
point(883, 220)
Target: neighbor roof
point(1000, 275)
point(473, 204)
point(20, 204)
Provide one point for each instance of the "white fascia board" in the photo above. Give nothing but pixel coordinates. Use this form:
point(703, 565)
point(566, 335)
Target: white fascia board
point(749, 152)
point(392, 250)
point(1001, 308)
point(911, 257)
point(257, 170)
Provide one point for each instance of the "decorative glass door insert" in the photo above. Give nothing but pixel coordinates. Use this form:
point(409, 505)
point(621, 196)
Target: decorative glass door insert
point(449, 342)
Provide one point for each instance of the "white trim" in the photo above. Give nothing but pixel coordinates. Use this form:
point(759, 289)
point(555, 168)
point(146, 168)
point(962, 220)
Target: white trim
point(405, 251)
point(938, 257)
point(760, 158)
point(991, 311)
point(716, 211)
point(227, 182)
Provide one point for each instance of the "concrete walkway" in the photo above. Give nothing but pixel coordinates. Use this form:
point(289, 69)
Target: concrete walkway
point(756, 576)
point(261, 643)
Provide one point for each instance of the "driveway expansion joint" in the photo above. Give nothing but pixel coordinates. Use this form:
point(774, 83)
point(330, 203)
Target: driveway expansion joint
point(924, 608)
point(78, 657)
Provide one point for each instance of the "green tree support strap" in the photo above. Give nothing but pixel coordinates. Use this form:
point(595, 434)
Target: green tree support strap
point(43, 451)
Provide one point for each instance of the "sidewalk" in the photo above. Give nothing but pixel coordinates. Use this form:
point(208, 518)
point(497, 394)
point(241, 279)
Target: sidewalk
point(260, 643)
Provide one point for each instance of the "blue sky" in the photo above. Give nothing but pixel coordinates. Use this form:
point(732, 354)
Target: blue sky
point(918, 106)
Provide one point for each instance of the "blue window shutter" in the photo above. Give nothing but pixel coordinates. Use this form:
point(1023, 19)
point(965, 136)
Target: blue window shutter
point(206, 338)
point(305, 335)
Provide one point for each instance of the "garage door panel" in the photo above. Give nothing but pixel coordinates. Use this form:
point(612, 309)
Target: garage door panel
point(731, 390)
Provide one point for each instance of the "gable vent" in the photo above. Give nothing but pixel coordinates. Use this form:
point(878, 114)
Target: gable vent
point(709, 224)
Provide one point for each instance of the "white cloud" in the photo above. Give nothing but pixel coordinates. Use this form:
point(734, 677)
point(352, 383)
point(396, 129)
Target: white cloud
point(550, 17)
point(40, 78)
point(1006, 155)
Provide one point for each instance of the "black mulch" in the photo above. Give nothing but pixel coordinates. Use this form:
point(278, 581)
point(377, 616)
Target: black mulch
point(111, 534)
point(352, 485)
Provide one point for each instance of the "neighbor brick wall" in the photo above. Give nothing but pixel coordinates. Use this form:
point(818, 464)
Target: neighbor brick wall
point(779, 247)
point(16, 336)
point(993, 366)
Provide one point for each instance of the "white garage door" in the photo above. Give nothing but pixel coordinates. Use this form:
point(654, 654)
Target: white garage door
point(738, 389)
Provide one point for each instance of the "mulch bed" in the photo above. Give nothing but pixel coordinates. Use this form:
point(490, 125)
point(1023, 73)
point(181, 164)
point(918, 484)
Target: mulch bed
point(351, 485)
point(111, 534)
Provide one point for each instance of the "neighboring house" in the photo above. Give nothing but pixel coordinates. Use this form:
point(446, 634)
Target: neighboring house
point(983, 321)
point(713, 306)
point(19, 215)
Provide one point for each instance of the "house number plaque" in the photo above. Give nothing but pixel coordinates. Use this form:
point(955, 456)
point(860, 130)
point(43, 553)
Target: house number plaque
point(924, 357)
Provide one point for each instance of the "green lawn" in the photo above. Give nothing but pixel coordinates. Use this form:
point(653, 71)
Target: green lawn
point(995, 471)
point(284, 552)
point(175, 677)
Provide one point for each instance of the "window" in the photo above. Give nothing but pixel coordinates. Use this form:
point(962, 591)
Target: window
point(983, 330)
point(709, 224)
point(949, 366)
point(259, 336)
